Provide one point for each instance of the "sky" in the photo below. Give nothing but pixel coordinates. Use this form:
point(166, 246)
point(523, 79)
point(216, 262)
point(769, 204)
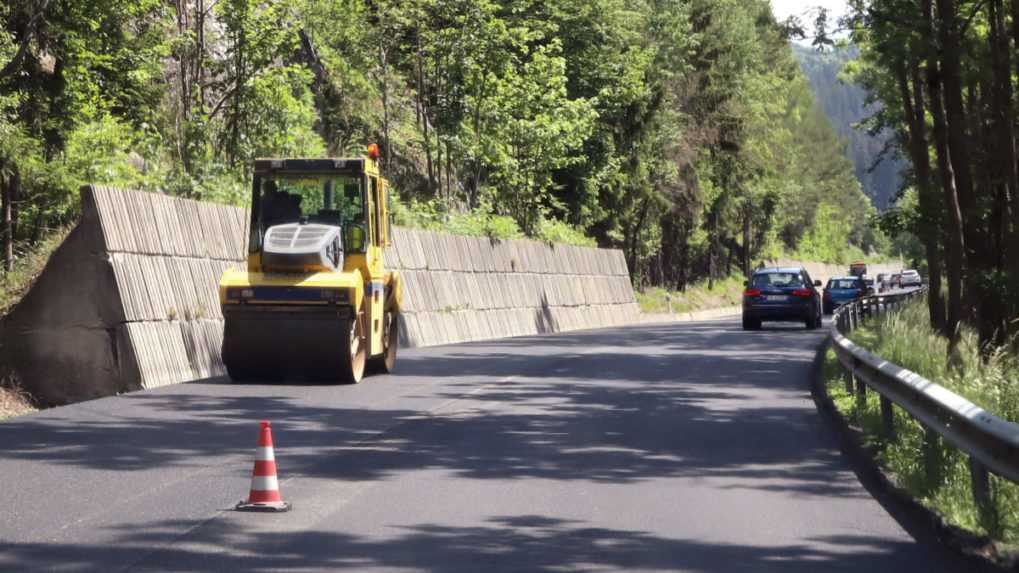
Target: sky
point(805, 9)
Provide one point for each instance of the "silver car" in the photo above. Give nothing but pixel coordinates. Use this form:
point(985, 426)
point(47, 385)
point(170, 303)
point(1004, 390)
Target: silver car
point(911, 278)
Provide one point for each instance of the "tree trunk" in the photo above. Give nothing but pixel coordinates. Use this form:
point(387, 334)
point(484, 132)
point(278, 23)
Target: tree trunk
point(955, 236)
point(993, 324)
point(9, 190)
point(930, 208)
point(955, 118)
point(384, 89)
point(424, 119)
point(634, 238)
point(747, 214)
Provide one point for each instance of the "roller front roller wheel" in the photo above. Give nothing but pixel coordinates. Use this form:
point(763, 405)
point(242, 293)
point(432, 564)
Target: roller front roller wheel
point(351, 369)
point(386, 362)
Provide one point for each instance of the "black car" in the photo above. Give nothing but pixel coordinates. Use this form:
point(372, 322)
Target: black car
point(784, 294)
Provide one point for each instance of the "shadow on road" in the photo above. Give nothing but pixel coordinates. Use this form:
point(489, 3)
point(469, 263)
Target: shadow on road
point(527, 542)
point(589, 407)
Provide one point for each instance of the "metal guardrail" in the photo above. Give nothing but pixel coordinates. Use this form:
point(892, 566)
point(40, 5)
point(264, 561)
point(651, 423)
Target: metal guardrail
point(991, 443)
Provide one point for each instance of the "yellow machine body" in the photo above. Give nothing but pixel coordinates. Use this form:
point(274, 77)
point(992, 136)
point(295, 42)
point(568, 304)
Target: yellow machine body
point(304, 316)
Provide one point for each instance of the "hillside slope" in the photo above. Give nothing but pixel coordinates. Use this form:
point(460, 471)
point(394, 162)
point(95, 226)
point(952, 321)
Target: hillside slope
point(845, 105)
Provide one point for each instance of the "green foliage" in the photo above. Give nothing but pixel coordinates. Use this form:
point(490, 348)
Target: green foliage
point(702, 295)
point(436, 216)
point(556, 231)
point(679, 130)
point(29, 264)
point(906, 338)
point(826, 240)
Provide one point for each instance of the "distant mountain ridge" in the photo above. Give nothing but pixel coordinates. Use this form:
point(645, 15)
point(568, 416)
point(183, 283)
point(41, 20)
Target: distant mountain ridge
point(845, 106)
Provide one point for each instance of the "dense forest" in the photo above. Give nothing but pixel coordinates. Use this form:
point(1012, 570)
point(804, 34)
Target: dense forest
point(946, 71)
point(876, 163)
point(681, 131)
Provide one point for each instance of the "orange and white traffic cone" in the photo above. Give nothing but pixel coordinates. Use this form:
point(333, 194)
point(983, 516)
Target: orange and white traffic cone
point(265, 490)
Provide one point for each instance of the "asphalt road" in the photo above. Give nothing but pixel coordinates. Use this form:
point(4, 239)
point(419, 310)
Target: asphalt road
point(691, 447)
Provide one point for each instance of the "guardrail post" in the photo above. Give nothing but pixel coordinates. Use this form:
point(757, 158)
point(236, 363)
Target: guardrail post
point(861, 388)
point(888, 418)
point(851, 379)
point(931, 457)
point(981, 486)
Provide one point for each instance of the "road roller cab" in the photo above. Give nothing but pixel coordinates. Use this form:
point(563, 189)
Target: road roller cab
point(316, 300)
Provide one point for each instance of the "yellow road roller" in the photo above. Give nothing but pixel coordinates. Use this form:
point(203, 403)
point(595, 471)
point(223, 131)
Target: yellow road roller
point(316, 301)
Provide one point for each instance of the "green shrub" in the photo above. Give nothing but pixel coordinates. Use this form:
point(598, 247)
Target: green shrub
point(27, 266)
point(698, 296)
point(435, 215)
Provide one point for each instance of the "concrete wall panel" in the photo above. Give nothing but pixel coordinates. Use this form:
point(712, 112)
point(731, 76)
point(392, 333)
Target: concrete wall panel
point(149, 265)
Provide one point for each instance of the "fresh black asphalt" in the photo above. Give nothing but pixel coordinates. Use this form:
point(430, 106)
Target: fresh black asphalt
point(669, 447)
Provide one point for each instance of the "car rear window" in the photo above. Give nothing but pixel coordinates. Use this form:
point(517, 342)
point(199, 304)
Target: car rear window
point(843, 283)
point(763, 280)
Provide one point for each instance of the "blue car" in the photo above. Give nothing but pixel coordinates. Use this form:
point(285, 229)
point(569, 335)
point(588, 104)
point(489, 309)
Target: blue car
point(841, 290)
point(781, 294)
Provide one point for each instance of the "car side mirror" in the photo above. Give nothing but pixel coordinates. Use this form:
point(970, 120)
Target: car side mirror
point(746, 283)
point(817, 283)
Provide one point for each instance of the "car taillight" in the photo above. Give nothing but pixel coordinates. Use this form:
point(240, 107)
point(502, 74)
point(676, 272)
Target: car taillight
point(752, 292)
point(801, 292)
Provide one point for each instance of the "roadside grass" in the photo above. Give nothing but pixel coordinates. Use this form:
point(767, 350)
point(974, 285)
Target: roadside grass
point(725, 292)
point(15, 284)
point(906, 338)
point(14, 401)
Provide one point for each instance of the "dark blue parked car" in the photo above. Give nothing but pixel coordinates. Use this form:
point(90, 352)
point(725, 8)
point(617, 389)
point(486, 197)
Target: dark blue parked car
point(841, 290)
point(781, 294)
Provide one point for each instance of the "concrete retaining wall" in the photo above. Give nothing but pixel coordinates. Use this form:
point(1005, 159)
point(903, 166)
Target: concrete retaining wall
point(459, 288)
point(129, 300)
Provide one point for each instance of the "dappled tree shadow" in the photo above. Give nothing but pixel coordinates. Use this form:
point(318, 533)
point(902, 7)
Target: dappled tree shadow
point(506, 543)
point(692, 401)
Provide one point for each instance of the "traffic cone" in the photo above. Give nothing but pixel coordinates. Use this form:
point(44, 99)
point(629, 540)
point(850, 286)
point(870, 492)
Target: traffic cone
point(265, 490)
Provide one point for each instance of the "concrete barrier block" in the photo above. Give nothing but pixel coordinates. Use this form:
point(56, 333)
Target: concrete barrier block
point(456, 249)
point(406, 244)
point(408, 335)
point(520, 254)
point(476, 287)
point(202, 341)
point(540, 257)
point(471, 256)
point(490, 323)
point(499, 291)
point(430, 291)
point(442, 300)
point(410, 291)
point(444, 250)
point(448, 321)
point(428, 257)
point(159, 347)
point(162, 228)
point(496, 291)
point(416, 291)
point(477, 256)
